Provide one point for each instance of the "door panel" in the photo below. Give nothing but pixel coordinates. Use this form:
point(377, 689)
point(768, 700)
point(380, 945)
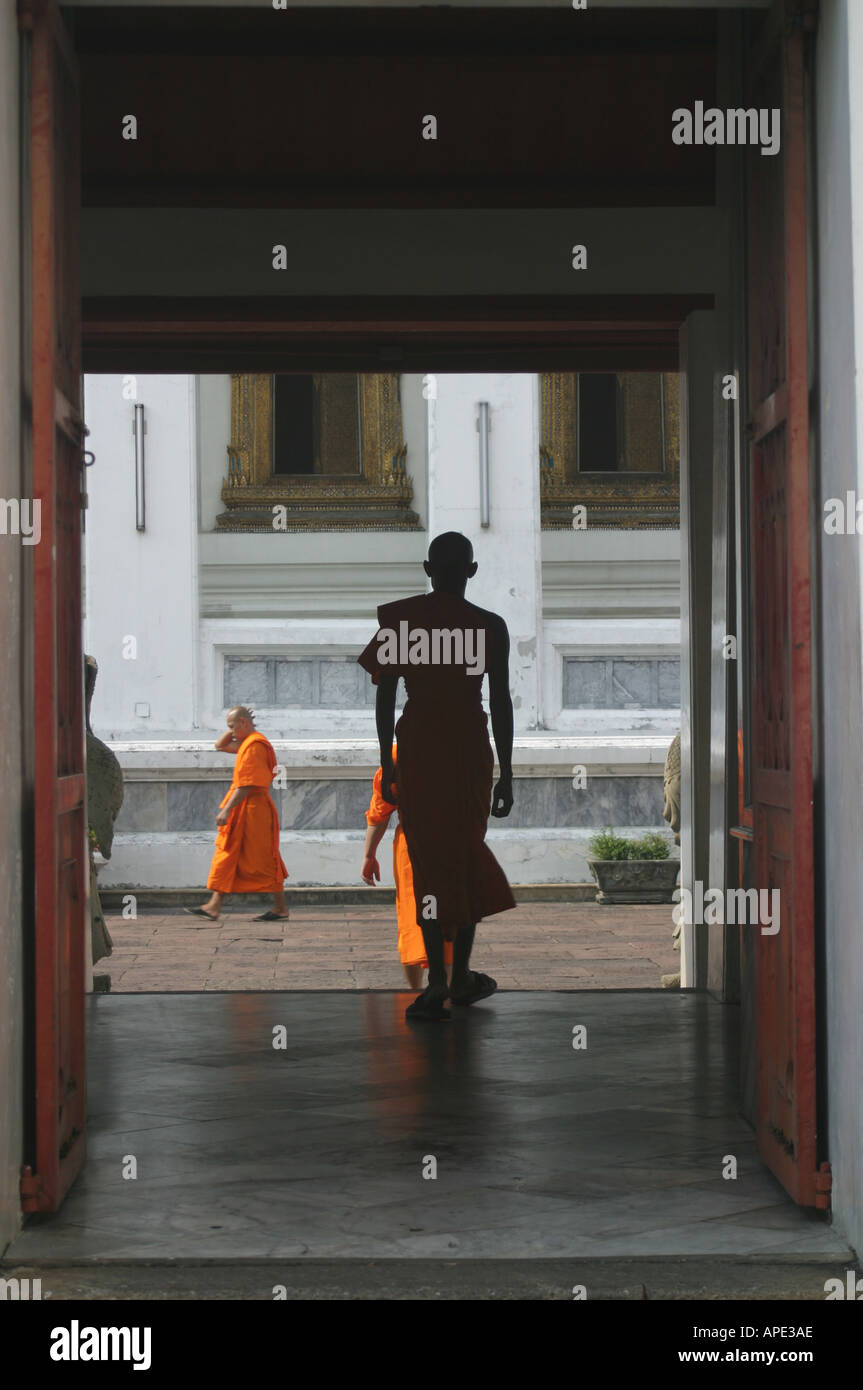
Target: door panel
point(781, 752)
point(60, 824)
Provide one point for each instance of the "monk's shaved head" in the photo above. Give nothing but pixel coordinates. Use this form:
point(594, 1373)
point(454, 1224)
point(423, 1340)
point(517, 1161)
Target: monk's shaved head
point(450, 563)
point(240, 712)
point(451, 553)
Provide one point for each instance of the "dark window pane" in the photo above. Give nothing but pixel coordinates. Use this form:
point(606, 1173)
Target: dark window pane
point(293, 424)
point(597, 422)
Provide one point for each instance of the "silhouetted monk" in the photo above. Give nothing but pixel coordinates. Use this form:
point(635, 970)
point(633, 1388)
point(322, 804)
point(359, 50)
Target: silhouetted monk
point(247, 858)
point(441, 646)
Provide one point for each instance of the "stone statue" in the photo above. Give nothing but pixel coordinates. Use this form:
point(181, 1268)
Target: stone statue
point(104, 799)
point(671, 813)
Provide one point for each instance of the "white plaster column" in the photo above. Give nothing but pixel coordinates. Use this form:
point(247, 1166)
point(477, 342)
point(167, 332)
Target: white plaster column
point(142, 584)
point(508, 551)
point(839, 421)
point(213, 425)
point(697, 364)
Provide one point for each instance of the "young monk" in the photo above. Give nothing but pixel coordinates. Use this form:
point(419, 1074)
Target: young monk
point(247, 858)
point(410, 941)
point(441, 646)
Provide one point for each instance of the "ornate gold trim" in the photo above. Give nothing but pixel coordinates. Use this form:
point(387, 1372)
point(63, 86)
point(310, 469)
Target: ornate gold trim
point(376, 499)
point(643, 496)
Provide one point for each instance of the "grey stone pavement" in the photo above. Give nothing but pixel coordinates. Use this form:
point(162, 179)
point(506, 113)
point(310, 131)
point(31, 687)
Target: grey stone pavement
point(536, 946)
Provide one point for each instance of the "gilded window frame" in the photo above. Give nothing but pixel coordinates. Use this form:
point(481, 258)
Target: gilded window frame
point(632, 500)
point(377, 499)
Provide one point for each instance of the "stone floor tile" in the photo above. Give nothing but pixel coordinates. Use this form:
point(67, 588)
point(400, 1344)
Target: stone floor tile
point(247, 1151)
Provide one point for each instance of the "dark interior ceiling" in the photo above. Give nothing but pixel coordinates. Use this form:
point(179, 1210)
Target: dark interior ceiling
point(289, 109)
point(267, 108)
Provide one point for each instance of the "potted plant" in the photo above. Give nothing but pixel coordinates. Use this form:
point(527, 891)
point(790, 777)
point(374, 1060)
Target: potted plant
point(632, 870)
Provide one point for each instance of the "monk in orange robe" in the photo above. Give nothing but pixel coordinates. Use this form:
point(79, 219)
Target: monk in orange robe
point(410, 939)
point(441, 646)
point(247, 858)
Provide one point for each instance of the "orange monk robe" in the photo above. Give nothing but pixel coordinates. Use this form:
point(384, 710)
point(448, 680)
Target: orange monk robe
point(445, 762)
point(412, 949)
point(247, 858)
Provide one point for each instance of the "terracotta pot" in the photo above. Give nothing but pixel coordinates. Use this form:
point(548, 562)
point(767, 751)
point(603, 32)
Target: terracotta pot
point(635, 880)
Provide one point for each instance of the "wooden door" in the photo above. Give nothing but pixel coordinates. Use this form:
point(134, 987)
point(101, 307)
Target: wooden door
point(60, 821)
point(781, 716)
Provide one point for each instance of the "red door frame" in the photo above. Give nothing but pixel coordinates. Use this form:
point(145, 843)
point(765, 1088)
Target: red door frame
point(782, 811)
point(781, 814)
point(60, 823)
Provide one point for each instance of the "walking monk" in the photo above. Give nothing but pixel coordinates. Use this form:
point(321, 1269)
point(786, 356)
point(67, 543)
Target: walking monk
point(441, 646)
point(247, 858)
point(410, 940)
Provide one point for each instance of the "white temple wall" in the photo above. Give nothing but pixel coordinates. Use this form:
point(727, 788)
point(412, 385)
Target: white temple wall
point(839, 161)
point(507, 551)
point(214, 436)
point(141, 587)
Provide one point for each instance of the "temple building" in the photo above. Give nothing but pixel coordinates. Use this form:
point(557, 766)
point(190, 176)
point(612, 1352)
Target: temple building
point(241, 560)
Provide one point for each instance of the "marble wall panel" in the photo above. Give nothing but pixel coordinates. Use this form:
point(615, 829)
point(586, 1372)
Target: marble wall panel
point(299, 683)
point(631, 684)
point(296, 684)
point(585, 684)
point(341, 804)
point(614, 801)
point(334, 805)
point(248, 682)
point(340, 685)
point(353, 802)
point(669, 684)
point(307, 805)
point(144, 807)
point(193, 805)
point(620, 683)
point(534, 803)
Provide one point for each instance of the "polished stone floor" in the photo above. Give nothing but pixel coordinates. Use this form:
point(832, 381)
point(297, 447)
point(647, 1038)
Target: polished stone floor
point(534, 946)
point(320, 1148)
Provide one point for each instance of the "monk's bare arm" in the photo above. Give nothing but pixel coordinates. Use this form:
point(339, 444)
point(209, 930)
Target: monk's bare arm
point(500, 704)
point(374, 834)
point(385, 718)
point(237, 796)
point(227, 743)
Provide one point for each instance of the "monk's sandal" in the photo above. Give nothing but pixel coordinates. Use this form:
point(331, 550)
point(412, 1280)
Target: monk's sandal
point(483, 986)
point(430, 1008)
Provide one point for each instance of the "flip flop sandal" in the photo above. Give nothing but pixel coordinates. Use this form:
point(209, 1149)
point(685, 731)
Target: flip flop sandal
point(199, 912)
point(271, 916)
point(431, 1010)
point(483, 987)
